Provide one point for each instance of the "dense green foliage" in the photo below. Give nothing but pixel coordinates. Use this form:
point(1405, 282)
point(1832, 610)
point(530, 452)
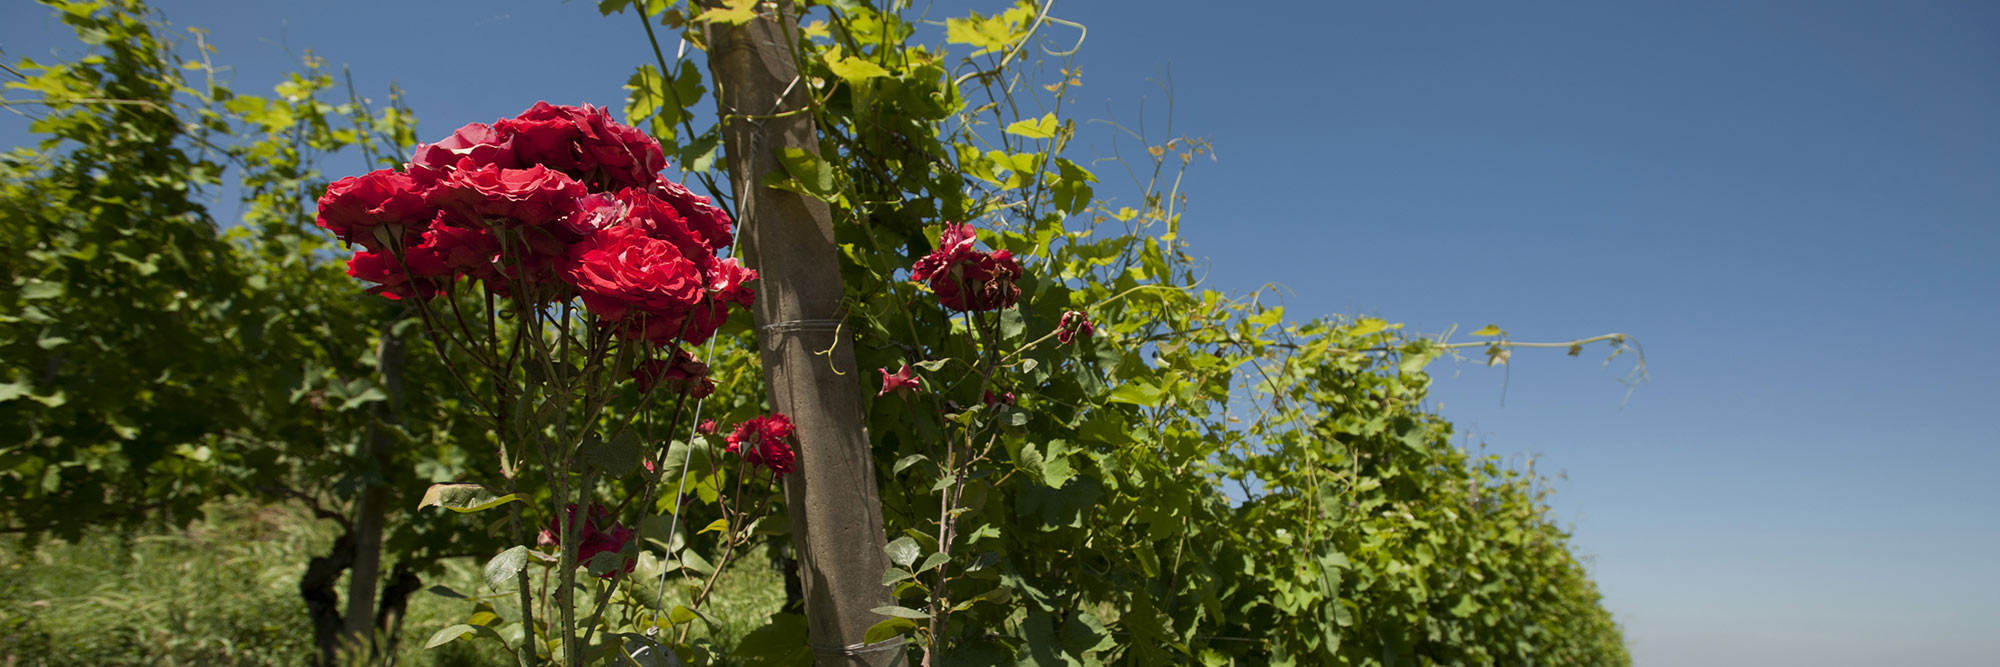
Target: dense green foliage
point(158, 358)
point(1202, 481)
point(155, 358)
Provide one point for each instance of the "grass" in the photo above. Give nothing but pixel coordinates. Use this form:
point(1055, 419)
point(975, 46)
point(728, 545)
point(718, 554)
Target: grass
point(225, 592)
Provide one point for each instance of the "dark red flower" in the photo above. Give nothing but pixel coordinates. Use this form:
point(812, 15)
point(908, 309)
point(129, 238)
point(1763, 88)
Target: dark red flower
point(966, 279)
point(472, 252)
point(597, 534)
point(903, 382)
point(594, 212)
point(480, 143)
point(706, 427)
point(991, 398)
point(496, 196)
point(679, 374)
point(1074, 324)
point(621, 271)
point(423, 269)
point(374, 208)
point(585, 143)
point(660, 220)
point(726, 283)
point(705, 219)
point(765, 441)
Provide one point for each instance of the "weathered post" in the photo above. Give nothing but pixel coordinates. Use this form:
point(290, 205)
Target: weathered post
point(808, 363)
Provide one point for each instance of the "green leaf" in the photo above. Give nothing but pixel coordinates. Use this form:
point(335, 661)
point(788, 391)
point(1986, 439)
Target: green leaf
point(681, 615)
point(448, 634)
point(700, 154)
point(716, 526)
point(932, 561)
point(901, 463)
point(369, 395)
point(806, 168)
point(464, 497)
point(694, 562)
point(888, 628)
point(1039, 128)
point(1489, 330)
point(646, 96)
point(39, 289)
point(733, 12)
point(617, 458)
point(903, 551)
point(900, 612)
point(1465, 607)
point(1072, 189)
point(1137, 393)
point(604, 562)
point(1416, 356)
point(504, 567)
point(853, 69)
point(1056, 469)
point(13, 390)
point(445, 591)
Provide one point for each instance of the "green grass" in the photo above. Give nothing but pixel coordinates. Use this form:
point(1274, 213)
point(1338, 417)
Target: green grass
point(225, 592)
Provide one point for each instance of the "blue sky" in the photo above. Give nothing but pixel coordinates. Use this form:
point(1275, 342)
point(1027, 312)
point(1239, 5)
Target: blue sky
point(1795, 206)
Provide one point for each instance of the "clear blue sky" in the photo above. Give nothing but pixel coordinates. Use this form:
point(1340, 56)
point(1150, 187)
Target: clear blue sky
point(1795, 207)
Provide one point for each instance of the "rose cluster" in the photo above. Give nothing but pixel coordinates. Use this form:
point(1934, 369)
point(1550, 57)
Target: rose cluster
point(555, 203)
point(764, 441)
point(597, 534)
point(967, 279)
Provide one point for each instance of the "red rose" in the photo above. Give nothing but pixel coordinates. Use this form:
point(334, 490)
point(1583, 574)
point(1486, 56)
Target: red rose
point(662, 221)
point(585, 143)
point(597, 534)
point(621, 270)
point(966, 279)
point(640, 210)
point(594, 213)
point(483, 144)
point(704, 320)
point(471, 252)
point(903, 382)
point(354, 208)
point(765, 441)
point(703, 218)
point(425, 277)
point(726, 283)
point(680, 374)
point(490, 195)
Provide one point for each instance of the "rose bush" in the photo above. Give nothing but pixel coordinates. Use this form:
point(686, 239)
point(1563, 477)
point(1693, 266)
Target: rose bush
point(557, 201)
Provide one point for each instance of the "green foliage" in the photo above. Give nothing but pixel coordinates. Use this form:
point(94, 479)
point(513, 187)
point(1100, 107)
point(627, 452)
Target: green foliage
point(155, 358)
point(1205, 480)
point(125, 391)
